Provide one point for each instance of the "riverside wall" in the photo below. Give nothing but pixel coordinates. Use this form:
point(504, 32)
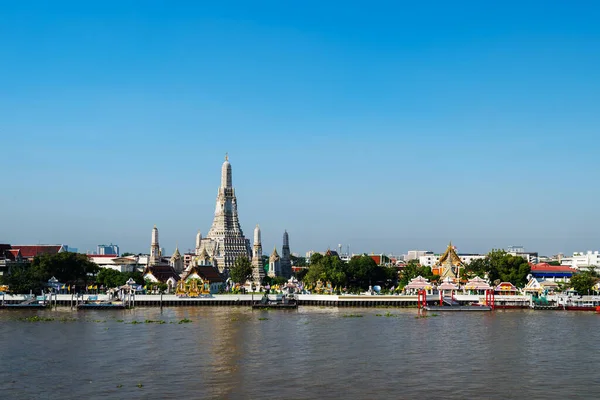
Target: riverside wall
point(169, 300)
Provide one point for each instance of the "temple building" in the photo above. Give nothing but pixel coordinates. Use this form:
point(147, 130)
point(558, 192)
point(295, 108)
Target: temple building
point(258, 271)
point(274, 264)
point(176, 261)
point(155, 253)
point(449, 265)
point(225, 240)
point(286, 262)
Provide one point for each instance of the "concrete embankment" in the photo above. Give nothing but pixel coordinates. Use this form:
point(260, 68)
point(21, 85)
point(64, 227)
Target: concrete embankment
point(169, 300)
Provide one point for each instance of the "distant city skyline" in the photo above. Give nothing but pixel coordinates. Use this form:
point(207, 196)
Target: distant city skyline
point(385, 127)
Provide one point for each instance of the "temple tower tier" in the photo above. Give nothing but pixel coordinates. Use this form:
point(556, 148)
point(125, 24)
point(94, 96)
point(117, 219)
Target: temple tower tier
point(225, 240)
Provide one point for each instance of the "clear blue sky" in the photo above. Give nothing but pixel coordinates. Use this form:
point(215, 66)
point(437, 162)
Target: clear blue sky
point(385, 126)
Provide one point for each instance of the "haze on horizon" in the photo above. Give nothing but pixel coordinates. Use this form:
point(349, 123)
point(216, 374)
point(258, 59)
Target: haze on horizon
point(383, 126)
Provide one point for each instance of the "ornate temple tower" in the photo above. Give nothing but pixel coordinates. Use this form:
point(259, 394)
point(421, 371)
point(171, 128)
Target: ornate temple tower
point(274, 264)
point(258, 272)
point(225, 240)
point(286, 262)
point(198, 242)
point(177, 261)
point(154, 248)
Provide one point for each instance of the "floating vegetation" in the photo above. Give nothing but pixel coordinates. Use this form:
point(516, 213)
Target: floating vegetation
point(120, 320)
point(134, 322)
point(150, 321)
point(99, 321)
point(389, 314)
point(263, 319)
point(119, 386)
point(185, 321)
point(36, 318)
point(378, 315)
point(140, 385)
point(352, 316)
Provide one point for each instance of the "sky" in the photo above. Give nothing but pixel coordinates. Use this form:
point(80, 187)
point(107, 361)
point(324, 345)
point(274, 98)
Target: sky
point(382, 126)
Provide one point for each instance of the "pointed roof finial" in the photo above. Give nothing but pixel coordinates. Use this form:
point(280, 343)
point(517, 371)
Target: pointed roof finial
point(226, 157)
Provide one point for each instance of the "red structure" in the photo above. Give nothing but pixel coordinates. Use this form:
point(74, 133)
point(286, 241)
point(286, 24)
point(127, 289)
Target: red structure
point(489, 298)
point(422, 298)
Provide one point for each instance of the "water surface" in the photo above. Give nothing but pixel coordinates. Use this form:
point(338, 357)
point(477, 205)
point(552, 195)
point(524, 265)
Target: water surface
point(237, 353)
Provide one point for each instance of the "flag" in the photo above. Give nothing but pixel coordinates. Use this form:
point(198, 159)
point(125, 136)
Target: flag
point(63, 286)
point(69, 288)
point(95, 286)
point(90, 287)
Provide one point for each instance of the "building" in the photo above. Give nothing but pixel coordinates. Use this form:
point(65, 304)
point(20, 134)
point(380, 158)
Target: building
point(555, 273)
point(258, 271)
point(121, 264)
point(176, 261)
point(225, 240)
point(449, 265)
point(531, 257)
point(155, 251)
point(582, 260)
point(274, 264)
point(430, 259)
point(105, 249)
point(286, 262)
point(29, 252)
point(415, 254)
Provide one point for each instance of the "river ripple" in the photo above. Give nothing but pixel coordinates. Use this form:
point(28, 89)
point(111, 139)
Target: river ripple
point(237, 353)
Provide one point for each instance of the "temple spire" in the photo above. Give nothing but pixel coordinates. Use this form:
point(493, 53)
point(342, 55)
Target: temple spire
point(226, 173)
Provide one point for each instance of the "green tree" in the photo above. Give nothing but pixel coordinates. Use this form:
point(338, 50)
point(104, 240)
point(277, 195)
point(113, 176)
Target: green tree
point(508, 268)
point(301, 274)
point(158, 286)
point(23, 279)
point(478, 267)
point(66, 267)
point(241, 270)
point(127, 254)
point(583, 281)
point(298, 261)
point(414, 269)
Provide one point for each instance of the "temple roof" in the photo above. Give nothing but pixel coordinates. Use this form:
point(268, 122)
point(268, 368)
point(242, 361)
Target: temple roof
point(274, 255)
point(449, 258)
point(176, 254)
point(206, 272)
point(161, 272)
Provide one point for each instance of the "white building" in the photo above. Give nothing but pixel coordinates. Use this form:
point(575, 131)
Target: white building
point(430, 259)
point(582, 260)
point(121, 264)
point(415, 254)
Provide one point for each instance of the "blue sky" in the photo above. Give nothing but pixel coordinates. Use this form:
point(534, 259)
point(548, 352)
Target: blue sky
point(384, 126)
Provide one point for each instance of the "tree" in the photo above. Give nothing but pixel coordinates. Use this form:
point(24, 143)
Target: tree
point(584, 281)
point(66, 267)
point(478, 267)
point(241, 270)
point(498, 265)
point(508, 268)
point(127, 254)
point(361, 271)
point(298, 261)
point(414, 269)
point(112, 278)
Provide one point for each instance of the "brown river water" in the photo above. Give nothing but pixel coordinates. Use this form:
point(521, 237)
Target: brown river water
point(311, 353)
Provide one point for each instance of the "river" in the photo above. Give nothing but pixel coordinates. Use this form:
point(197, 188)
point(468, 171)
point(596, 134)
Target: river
point(311, 353)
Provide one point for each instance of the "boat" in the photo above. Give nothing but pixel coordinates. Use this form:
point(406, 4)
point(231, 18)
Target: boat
point(92, 303)
point(473, 307)
point(283, 302)
point(583, 305)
